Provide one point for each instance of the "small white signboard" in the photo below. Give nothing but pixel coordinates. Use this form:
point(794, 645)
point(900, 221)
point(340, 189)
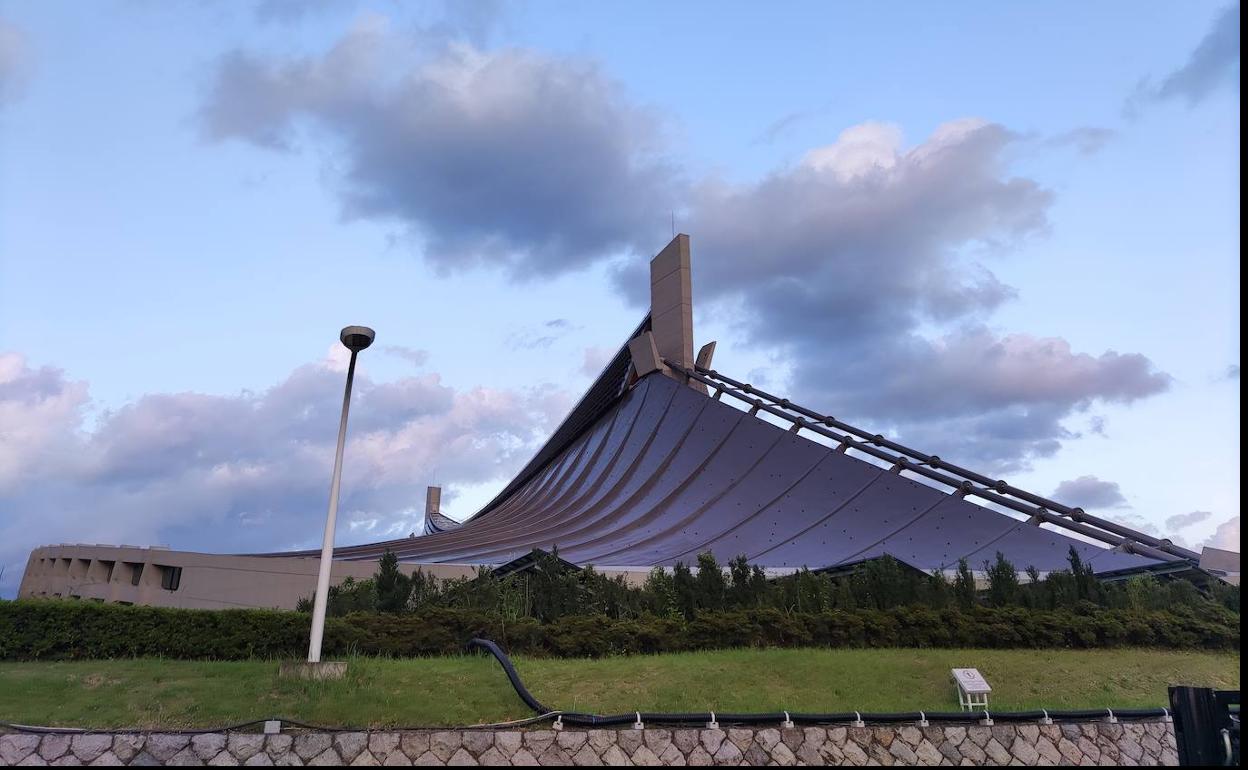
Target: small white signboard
point(973, 689)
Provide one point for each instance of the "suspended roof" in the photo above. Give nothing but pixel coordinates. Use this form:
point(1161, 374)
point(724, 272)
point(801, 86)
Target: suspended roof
point(654, 465)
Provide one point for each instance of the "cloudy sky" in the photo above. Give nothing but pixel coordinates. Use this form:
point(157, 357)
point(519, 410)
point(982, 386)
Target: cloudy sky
point(1006, 233)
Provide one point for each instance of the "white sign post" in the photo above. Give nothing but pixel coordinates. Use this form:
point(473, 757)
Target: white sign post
point(973, 689)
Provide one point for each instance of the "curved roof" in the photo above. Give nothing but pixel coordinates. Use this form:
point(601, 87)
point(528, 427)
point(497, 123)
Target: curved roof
point(436, 522)
point(667, 472)
point(651, 469)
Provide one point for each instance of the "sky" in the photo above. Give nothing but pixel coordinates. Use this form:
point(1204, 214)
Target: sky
point(1007, 234)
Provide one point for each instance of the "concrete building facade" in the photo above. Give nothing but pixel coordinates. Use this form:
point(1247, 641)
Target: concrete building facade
point(161, 577)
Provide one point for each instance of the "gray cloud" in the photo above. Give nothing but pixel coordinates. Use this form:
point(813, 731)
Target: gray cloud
point(846, 263)
point(862, 265)
point(1091, 492)
point(782, 124)
point(1213, 64)
point(14, 62)
point(506, 158)
point(1141, 524)
point(413, 356)
point(531, 342)
point(541, 338)
point(1086, 140)
point(1184, 520)
point(246, 472)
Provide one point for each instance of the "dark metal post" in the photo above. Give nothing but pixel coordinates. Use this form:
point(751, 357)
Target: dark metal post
point(1198, 727)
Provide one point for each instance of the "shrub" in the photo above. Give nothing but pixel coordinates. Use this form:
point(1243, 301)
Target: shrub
point(61, 630)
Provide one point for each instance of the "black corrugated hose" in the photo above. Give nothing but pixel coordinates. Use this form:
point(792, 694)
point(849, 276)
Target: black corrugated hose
point(594, 720)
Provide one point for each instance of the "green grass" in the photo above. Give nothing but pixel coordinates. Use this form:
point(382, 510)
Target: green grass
point(148, 693)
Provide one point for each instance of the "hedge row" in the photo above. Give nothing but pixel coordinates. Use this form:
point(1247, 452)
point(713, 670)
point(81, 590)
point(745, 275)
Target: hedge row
point(60, 630)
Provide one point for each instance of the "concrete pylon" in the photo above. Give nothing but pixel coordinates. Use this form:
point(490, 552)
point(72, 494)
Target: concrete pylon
point(671, 303)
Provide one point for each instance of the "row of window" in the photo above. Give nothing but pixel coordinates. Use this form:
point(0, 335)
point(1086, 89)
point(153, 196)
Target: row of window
point(170, 576)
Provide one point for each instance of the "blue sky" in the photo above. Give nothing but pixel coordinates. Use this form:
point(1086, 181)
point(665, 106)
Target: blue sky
point(1008, 233)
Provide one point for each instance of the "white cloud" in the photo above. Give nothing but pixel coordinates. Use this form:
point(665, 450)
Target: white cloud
point(249, 472)
point(40, 415)
point(857, 151)
point(1226, 536)
point(595, 359)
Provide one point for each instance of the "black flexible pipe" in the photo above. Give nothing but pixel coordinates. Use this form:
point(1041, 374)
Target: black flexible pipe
point(696, 718)
point(594, 720)
point(510, 670)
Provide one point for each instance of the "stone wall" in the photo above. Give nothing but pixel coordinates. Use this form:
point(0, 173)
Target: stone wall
point(1091, 743)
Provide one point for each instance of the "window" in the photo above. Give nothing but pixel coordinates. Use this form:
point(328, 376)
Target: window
point(170, 577)
point(108, 578)
point(136, 572)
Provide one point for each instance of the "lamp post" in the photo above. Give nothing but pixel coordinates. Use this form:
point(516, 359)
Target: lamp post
point(355, 338)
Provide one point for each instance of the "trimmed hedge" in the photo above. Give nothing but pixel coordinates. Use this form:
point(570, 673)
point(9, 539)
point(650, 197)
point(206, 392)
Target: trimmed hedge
point(64, 630)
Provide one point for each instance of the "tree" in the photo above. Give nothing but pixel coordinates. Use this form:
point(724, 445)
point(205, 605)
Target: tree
point(760, 588)
point(1086, 586)
point(964, 586)
point(1002, 581)
point(556, 589)
point(425, 590)
point(739, 588)
point(936, 590)
point(883, 583)
point(748, 586)
point(711, 586)
point(659, 593)
point(686, 590)
point(393, 587)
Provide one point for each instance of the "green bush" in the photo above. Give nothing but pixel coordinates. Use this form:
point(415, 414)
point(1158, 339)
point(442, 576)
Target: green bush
point(61, 630)
point(552, 590)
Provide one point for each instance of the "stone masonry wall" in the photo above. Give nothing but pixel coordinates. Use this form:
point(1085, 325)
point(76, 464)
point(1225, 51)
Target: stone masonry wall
point(1091, 743)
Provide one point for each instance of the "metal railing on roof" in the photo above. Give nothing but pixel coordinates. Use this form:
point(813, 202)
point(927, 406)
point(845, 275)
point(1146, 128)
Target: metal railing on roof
point(1041, 510)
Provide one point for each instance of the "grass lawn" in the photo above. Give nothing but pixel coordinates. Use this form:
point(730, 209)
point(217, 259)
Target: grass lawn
point(149, 693)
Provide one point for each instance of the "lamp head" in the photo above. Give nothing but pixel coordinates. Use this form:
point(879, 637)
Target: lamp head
point(356, 338)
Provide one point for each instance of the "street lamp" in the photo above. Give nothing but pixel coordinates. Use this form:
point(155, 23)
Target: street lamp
point(355, 338)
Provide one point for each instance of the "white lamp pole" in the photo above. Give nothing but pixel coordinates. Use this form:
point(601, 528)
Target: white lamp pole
point(355, 338)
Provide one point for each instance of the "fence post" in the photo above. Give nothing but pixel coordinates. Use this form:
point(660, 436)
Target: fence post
point(1197, 726)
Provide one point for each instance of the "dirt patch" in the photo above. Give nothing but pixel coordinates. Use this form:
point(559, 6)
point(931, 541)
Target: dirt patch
point(95, 681)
